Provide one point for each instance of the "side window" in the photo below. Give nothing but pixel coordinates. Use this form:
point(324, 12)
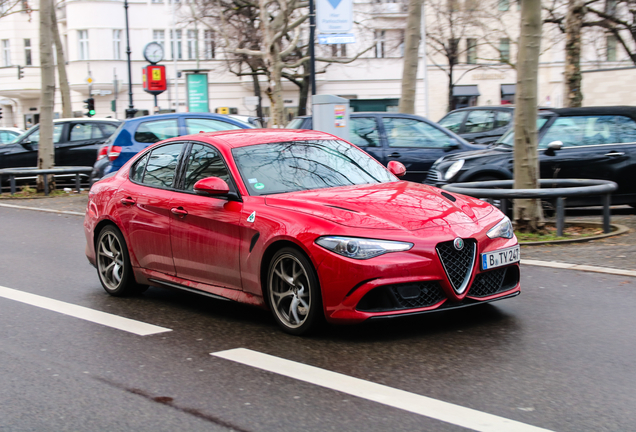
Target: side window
point(503, 119)
point(479, 121)
point(626, 129)
point(453, 121)
point(194, 126)
point(204, 161)
point(162, 165)
point(154, 131)
point(57, 134)
point(364, 132)
point(137, 173)
point(108, 129)
point(581, 131)
point(404, 132)
point(85, 131)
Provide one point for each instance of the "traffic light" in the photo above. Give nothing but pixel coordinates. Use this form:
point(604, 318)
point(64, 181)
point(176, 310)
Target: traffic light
point(0, 112)
point(90, 107)
point(20, 72)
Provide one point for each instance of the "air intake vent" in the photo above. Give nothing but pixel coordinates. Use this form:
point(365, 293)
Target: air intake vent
point(458, 262)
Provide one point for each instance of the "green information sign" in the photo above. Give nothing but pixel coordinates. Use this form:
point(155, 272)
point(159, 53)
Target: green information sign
point(197, 92)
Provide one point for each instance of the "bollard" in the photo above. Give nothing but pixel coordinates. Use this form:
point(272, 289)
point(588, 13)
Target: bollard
point(606, 213)
point(560, 215)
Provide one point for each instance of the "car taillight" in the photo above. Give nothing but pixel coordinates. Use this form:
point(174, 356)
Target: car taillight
point(113, 152)
point(103, 152)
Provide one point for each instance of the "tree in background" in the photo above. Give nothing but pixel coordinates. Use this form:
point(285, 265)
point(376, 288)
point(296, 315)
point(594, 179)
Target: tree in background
point(528, 215)
point(46, 156)
point(412, 38)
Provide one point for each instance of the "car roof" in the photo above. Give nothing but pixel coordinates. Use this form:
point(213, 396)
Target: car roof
point(179, 115)
point(91, 119)
point(247, 137)
point(628, 111)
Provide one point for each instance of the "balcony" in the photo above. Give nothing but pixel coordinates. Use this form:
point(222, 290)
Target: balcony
point(389, 8)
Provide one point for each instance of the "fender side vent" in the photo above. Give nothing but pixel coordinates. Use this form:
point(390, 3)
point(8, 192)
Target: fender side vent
point(449, 196)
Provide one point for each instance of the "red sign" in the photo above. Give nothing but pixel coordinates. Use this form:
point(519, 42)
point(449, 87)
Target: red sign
point(154, 79)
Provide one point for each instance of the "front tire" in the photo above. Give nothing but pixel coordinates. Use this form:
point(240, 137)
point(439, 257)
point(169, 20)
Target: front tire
point(293, 292)
point(113, 264)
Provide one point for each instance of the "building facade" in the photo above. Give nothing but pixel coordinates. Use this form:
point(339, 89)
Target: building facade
point(93, 34)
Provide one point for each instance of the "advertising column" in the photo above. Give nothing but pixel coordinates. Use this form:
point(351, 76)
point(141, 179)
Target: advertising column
point(197, 85)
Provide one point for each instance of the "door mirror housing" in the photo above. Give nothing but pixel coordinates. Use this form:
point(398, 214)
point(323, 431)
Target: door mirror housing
point(211, 186)
point(397, 168)
point(553, 147)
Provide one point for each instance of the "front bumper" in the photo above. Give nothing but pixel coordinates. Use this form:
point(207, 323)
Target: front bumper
point(408, 283)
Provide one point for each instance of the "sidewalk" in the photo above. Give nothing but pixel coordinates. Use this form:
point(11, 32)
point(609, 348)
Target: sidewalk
point(614, 252)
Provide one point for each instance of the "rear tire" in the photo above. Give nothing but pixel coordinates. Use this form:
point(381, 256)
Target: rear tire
point(113, 264)
point(293, 292)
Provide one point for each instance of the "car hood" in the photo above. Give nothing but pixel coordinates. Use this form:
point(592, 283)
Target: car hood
point(396, 206)
point(489, 151)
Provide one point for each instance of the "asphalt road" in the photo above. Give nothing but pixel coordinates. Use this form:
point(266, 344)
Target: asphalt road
point(561, 356)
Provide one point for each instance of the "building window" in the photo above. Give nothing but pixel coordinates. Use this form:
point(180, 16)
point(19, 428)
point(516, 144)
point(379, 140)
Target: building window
point(27, 52)
point(504, 50)
point(192, 44)
point(117, 44)
point(611, 47)
point(339, 50)
point(503, 5)
point(208, 40)
point(82, 37)
point(159, 36)
point(6, 53)
point(178, 43)
point(379, 40)
point(157, 1)
point(471, 51)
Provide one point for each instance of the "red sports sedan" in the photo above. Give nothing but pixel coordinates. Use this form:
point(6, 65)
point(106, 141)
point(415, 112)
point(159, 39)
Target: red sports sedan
point(300, 222)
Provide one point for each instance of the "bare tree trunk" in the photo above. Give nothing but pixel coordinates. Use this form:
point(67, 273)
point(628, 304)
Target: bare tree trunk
point(450, 87)
point(257, 93)
point(411, 56)
point(573, 24)
point(528, 215)
point(65, 89)
point(273, 65)
point(46, 156)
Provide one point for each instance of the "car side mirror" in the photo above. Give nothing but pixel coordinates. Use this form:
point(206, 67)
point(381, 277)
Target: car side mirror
point(452, 144)
point(211, 186)
point(553, 147)
point(397, 168)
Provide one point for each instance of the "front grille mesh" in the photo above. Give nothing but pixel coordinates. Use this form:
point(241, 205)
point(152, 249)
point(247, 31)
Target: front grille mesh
point(458, 264)
point(433, 176)
point(429, 294)
point(487, 283)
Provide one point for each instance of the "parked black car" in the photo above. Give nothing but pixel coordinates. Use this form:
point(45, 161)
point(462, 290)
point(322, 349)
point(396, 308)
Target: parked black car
point(410, 139)
point(591, 142)
point(480, 125)
point(76, 143)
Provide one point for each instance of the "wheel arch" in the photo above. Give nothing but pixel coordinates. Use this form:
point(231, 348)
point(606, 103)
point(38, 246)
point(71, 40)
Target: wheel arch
point(483, 171)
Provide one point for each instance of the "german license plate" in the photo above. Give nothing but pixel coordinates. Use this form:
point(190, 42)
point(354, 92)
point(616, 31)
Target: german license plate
point(498, 258)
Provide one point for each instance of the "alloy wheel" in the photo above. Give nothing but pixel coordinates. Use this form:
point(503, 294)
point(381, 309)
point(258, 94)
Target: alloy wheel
point(110, 260)
point(290, 291)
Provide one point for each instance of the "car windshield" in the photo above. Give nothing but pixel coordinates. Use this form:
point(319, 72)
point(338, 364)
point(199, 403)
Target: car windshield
point(509, 137)
point(304, 165)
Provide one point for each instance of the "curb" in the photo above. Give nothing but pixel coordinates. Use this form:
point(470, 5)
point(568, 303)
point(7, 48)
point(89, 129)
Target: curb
point(42, 209)
point(618, 230)
point(580, 267)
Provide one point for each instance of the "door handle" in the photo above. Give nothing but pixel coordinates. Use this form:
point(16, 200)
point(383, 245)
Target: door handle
point(128, 201)
point(615, 153)
point(179, 211)
point(395, 155)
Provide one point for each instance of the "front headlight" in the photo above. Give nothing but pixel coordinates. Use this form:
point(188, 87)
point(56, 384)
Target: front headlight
point(502, 230)
point(453, 169)
point(361, 248)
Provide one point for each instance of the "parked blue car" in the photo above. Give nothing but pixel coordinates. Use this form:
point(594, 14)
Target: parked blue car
point(135, 134)
point(413, 140)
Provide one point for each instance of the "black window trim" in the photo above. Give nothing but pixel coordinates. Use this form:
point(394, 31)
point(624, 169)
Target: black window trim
point(150, 149)
point(182, 169)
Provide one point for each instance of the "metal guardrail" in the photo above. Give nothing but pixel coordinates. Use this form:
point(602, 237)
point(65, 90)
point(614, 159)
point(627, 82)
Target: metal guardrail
point(14, 173)
point(550, 188)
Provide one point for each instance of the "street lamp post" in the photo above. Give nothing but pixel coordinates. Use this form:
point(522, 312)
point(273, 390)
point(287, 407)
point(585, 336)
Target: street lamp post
point(130, 112)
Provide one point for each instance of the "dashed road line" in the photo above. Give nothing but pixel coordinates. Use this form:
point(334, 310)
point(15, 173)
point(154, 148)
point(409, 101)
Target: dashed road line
point(81, 312)
point(580, 267)
point(422, 405)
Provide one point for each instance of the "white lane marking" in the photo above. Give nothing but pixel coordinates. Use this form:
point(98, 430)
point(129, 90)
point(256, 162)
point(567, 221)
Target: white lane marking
point(81, 312)
point(587, 268)
point(42, 209)
point(422, 405)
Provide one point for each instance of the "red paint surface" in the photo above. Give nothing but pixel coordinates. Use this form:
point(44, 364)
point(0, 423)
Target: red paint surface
point(208, 246)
